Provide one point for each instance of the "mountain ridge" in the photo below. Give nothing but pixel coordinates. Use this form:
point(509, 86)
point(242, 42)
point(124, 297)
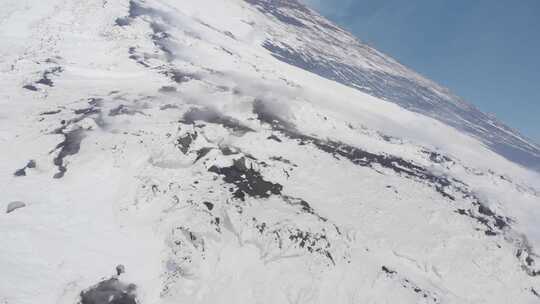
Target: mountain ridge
point(379, 78)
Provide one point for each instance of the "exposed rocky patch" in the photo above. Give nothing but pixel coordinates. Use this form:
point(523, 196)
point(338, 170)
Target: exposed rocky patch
point(45, 80)
point(111, 291)
point(209, 205)
point(290, 239)
point(73, 135)
point(135, 56)
point(72, 132)
point(122, 21)
point(168, 107)
point(30, 87)
point(184, 142)
point(494, 223)
point(247, 180)
point(46, 76)
point(14, 206)
point(283, 160)
point(87, 111)
point(388, 271)
point(527, 257)
point(250, 183)
point(179, 76)
point(135, 10)
point(227, 150)
point(53, 112)
point(167, 89)
point(211, 116)
point(275, 138)
point(124, 110)
point(201, 153)
point(438, 158)
point(70, 146)
point(409, 285)
point(160, 38)
point(304, 206)
point(22, 172)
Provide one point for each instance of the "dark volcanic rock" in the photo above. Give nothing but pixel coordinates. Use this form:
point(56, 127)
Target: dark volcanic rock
point(51, 112)
point(180, 77)
point(123, 21)
point(167, 89)
point(211, 116)
point(124, 110)
point(110, 291)
point(30, 87)
point(209, 205)
point(22, 172)
point(183, 143)
point(70, 146)
point(46, 77)
point(202, 153)
point(14, 206)
point(247, 180)
point(410, 285)
point(388, 270)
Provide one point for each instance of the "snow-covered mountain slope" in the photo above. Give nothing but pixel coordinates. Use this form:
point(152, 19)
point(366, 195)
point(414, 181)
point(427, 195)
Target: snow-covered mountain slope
point(301, 37)
point(163, 136)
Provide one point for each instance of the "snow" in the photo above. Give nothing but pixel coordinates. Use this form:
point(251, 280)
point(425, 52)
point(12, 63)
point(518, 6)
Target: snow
point(130, 196)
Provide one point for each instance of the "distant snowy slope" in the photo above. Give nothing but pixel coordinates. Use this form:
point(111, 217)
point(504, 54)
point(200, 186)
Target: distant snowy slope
point(301, 37)
point(156, 152)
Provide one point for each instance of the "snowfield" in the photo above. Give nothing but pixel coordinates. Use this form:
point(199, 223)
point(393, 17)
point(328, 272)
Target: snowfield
point(165, 136)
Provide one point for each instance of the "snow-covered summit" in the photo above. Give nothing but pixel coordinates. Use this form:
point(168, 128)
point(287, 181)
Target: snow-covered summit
point(163, 152)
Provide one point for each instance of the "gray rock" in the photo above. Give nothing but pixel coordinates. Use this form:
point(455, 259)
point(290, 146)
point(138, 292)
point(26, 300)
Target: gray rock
point(120, 269)
point(14, 206)
point(31, 164)
point(111, 291)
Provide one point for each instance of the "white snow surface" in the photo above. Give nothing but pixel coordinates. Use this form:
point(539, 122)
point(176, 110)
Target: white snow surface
point(114, 183)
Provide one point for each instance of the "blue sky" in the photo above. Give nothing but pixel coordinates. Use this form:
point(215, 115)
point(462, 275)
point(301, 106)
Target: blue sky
point(486, 51)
